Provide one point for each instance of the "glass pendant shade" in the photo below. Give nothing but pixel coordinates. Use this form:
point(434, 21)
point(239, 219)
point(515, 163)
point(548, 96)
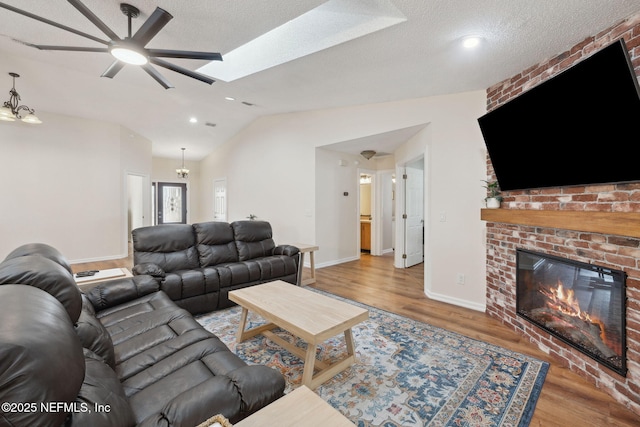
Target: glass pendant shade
point(182, 171)
point(7, 115)
point(31, 118)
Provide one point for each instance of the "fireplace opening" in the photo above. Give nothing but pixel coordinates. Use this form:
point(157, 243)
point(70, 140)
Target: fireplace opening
point(582, 304)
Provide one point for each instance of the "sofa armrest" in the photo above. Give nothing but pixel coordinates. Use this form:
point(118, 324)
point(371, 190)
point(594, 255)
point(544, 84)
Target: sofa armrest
point(258, 385)
point(114, 292)
point(286, 250)
point(148, 268)
point(235, 395)
point(193, 406)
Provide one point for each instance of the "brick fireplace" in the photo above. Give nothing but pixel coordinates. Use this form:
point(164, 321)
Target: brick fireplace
point(597, 224)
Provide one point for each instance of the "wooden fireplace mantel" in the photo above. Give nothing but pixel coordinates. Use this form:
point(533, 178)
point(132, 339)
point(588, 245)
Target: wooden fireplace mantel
point(617, 223)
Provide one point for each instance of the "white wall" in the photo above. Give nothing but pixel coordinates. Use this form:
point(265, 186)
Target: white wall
point(337, 215)
point(64, 184)
point(274, 171)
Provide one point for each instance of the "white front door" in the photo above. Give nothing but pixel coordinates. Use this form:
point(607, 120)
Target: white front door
point(414, 221)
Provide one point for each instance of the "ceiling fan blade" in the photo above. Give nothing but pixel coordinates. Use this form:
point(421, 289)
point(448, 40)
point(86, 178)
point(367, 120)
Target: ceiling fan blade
point(157, 76)
point(152, 26)
point(113, 69)
point(94, 19)
point(50, 22)
point(181, 70)
point(71, 48)
point(167, 53)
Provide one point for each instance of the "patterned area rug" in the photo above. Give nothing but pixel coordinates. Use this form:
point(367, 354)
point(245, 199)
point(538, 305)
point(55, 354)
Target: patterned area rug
point(407, 373)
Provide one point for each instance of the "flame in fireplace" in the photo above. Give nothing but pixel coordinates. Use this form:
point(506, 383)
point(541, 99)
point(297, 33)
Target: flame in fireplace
point(565, 301)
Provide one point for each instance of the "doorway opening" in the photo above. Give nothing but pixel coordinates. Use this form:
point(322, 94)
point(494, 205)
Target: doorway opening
point(376, 211)
point(365, 212)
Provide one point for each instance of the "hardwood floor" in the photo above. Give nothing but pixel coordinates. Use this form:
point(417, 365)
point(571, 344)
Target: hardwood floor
point(566, 399)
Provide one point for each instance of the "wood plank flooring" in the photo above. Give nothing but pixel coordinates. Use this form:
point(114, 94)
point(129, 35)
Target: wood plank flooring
point(566, 399)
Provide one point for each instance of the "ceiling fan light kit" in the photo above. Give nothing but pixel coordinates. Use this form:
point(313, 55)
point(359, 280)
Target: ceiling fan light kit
point(129, 54)
point(131, 49)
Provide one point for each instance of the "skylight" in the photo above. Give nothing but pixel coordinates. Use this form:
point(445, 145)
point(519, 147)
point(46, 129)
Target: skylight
point(330, 24)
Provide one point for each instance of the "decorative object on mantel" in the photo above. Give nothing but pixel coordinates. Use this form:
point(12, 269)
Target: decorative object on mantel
point(182, 171)
point(10, 111)
point(494, 198)
point(217, 421)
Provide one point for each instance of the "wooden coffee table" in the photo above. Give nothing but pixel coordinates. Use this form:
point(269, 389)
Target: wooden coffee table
point(300, 408)
point(308, 315)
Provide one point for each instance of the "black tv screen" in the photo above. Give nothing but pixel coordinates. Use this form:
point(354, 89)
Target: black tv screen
point(576, 128)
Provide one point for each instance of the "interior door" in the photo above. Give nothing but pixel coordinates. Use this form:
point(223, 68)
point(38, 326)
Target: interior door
point(172, 203)
point(414, 221)
point(220, 200)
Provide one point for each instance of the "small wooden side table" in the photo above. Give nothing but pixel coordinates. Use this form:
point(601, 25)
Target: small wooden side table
point(304, 248)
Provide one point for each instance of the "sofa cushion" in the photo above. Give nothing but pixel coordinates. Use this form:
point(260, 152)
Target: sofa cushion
point(170, 246)
point(102, 396)
point(41, 358)
point(215, 242)
point(51, 277)
point(276, 266)
point(254, 239)
point(171, 367)
point(93, 335)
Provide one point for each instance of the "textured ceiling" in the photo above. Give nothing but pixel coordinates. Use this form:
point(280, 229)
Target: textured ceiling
point(416, 58)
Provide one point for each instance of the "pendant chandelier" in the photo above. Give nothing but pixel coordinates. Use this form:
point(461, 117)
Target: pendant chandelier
point(10, 111)
point(182, 171)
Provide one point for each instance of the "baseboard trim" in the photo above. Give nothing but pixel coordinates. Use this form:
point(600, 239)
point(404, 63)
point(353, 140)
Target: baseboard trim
point(337, 261)
point(98, 259)
point(457, 301)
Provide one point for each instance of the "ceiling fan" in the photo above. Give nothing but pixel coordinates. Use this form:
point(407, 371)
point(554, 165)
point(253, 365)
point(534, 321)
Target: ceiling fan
point(130, 49)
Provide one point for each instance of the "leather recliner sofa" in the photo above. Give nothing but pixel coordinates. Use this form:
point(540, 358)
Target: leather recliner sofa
point(200, 263)
point(122, 354)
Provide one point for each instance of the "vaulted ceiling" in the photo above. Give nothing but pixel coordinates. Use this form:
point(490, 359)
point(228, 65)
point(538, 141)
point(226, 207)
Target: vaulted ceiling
point(416, 52)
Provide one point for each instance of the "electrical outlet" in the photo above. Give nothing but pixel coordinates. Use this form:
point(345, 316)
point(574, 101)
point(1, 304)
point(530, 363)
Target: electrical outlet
point(460, 279)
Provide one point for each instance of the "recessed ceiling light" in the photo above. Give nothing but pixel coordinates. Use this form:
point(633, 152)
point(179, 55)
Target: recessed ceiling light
point(193, 120)
point(229, 98)
point(471, 41)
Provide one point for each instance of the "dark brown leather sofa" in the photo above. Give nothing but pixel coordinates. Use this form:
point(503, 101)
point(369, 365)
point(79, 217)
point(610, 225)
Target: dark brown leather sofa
point(122, 354)
point(199, 264)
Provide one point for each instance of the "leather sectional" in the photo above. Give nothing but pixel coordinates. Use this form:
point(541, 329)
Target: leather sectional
point(121, 354)
point(199, 264)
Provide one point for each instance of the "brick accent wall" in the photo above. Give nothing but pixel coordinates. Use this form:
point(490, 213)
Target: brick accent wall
point(617, 252)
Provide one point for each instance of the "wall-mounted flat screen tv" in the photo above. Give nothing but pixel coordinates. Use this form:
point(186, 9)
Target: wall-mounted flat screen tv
point(576, 128)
